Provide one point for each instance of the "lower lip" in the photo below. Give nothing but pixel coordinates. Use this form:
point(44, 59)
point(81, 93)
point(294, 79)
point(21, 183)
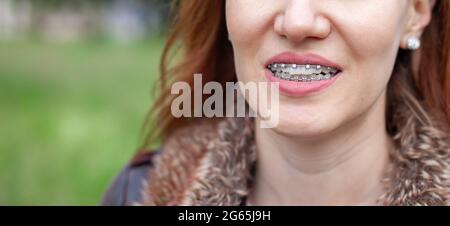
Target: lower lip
point(300, 88)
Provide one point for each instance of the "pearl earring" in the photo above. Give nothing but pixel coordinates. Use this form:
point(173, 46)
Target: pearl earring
point(413, 43)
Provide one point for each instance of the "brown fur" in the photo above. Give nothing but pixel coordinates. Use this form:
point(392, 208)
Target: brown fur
point(211, 164)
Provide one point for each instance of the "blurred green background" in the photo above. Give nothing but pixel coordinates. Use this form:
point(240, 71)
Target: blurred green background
point(71, 106)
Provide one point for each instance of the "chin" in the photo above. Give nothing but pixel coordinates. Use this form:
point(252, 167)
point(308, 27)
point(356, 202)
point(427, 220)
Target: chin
point(302, 128)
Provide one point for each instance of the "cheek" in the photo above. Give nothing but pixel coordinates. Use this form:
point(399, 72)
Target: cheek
point(245, 20)
point(372, 37)
point(372, 32)
point(234, 11)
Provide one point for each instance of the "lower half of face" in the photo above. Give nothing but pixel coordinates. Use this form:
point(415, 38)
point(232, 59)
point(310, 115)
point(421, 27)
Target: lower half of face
point(363, 40)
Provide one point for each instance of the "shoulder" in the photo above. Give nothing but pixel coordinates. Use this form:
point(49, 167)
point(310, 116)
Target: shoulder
point(127, 185)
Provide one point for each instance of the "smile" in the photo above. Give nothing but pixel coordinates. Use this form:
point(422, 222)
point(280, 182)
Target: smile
point(302, 72)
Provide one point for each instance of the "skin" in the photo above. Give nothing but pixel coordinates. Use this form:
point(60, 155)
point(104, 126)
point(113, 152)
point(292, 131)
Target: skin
point(329, 148)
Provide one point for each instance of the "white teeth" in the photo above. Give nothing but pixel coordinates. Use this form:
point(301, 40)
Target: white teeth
point(303, 73)
point(299, 66)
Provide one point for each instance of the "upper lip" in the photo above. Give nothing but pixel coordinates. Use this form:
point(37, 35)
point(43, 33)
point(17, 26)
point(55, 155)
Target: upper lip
point(309, 58)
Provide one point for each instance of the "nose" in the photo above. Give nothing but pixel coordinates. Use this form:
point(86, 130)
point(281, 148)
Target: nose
point(300, 19)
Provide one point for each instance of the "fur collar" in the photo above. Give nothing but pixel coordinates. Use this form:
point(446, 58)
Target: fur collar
point(211, 164)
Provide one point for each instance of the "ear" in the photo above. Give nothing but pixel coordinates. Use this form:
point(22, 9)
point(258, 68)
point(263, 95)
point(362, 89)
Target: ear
point(420, 14)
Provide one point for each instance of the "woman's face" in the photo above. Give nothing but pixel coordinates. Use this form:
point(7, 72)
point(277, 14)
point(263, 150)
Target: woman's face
point(361, 38)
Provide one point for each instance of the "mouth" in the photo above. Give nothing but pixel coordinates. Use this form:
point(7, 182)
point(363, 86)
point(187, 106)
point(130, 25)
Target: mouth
point(302, 72)
point(302, 75)
point(302, 68)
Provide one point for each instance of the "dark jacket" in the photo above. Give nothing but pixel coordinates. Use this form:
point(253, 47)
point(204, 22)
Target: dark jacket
point(125, 189)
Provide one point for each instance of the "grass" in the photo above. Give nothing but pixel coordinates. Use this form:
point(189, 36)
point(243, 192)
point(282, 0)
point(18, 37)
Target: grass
point(70, 117)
